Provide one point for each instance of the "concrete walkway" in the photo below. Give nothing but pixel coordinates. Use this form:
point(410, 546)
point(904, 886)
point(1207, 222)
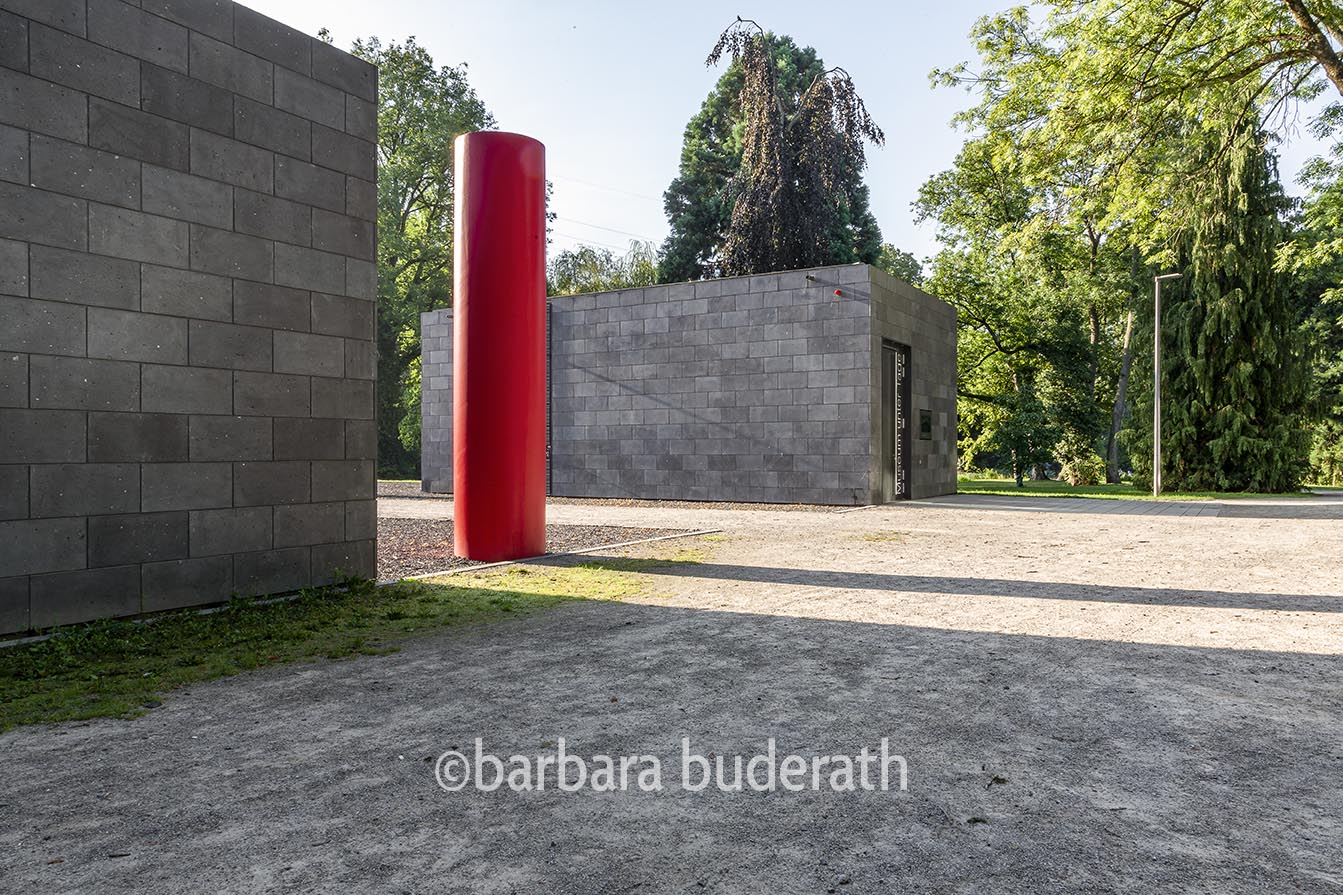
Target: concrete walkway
point(1088, 701)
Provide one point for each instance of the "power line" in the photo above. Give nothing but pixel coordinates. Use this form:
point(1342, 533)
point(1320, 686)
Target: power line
point(609, 189)
point(583, 240)
point(601, 227)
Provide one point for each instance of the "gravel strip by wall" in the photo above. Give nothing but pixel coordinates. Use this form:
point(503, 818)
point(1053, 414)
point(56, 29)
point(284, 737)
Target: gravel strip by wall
point(412, 489)
point(419, 546)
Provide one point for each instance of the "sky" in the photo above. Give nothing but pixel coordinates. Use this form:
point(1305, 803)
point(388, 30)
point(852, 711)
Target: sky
point(608, 87)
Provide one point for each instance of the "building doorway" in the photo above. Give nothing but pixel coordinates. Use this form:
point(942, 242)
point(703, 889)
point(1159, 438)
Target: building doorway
point(895, 428)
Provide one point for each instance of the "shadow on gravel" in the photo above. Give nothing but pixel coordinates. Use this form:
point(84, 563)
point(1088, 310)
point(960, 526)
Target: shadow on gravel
point(1000, 587)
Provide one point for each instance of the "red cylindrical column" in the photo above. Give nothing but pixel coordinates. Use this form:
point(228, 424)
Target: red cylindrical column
point(499, 344)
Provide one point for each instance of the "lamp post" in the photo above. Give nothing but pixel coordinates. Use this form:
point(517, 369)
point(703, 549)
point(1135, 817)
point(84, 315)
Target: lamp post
point(1156, 383)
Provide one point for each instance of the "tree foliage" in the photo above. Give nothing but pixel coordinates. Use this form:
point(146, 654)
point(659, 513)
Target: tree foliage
point(801, 199)
point(900, 264)
point(422, 109)
point(591, 269)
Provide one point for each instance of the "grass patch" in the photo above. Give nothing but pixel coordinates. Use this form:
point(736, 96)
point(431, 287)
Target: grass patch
point(123, 668)
point(686, 557)
point(1121, 491)
point(894, 537)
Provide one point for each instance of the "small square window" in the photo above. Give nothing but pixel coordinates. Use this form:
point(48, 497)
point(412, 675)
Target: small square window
point(925, 425)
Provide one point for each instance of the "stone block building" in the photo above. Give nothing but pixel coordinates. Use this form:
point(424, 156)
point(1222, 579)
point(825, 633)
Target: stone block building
point(835, 385)
point(187, 285)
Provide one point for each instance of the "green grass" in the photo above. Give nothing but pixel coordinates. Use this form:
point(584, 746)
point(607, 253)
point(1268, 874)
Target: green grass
point(123, 668)
point(1122, 491)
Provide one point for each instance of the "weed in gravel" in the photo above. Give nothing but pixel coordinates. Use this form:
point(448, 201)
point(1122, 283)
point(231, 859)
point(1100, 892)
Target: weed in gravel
point(895, 537)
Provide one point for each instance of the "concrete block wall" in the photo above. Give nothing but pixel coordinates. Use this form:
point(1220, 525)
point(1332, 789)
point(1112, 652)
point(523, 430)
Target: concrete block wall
point(187, 284)
point(759, 388)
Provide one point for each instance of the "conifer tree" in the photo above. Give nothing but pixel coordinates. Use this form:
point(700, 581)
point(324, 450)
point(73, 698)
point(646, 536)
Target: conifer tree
point(1236, 382)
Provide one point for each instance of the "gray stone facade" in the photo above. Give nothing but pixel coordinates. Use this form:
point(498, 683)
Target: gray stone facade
point(187, 285)
point(763, 388)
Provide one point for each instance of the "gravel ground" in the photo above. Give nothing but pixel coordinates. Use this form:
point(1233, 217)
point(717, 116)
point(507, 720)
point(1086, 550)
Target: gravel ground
point(412, 489)
point(419, 546)
point(1089, 702)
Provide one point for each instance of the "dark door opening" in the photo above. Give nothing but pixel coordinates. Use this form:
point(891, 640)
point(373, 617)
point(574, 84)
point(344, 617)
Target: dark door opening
point(895, 428)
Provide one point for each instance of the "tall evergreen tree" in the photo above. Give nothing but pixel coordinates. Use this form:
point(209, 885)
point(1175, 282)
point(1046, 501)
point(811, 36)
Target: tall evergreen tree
point(1236, 382)
point(699, 202)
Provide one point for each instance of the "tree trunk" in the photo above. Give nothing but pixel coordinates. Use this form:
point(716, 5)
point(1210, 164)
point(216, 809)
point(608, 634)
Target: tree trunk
point(1317, 44)
point(1121, 406)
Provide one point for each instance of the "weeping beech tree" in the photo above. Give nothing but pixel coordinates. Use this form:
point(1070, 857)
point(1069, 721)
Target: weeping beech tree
point(792, 196)
point(1236, 381)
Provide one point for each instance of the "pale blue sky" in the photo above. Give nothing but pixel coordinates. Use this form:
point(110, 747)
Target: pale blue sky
point(608, 86)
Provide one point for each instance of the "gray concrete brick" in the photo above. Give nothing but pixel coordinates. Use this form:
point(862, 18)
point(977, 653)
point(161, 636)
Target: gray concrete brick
point(341, 152)
point(227, 160)
point(59, 275)
point(67, 15)
point(176, 194)
point(76, 383)
point(278, 307)
point(270, 394)
point(41, 106)
point(361, 359)
point(13, 379)
point(14, 605)
point(332, 66)
point(212, 17)
point(310, 184)
point(310, 269)
point(230, 438)
point(232, 254)
point(342, 234)
point(312, 523)
point(166, 290)
point(70, 597)
point(137, 437)
point(123, 233)
point(263, 482)
point(343, 480)
point(361, 279)
point(266, 216)
point(271, 128)
point(361, 199)
point(14, 492)
point(14, 166)
point(185, 390)
point(42, 436)
point(166, 487)
point(236, 530)
point(38, 216)
point(361, 520)
point(361, 118)
point(272, 571)
point(124, 27)
point(140, 135)
point(186, 582)
point(87, 173)
point(342, 398)
point(330, 562)
point(71, 62)
point(271, 40)
point(35, 546)
point(311, 99)
point(13, 42)
point(137, 538)
point(225, 66)
point(43, 327)
point(229, 346)
point(310, 354)
point(13, 267)
point(309, 439)
point(184, 99)
point(339, 316)
point(128, 335)
point(361, 440)
point(83, 489)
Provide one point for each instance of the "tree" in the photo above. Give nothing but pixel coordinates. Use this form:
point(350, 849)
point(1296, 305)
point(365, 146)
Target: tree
point(701, 199)
point(421, 111)
point(900, 264)
point(589, 269)
point(1236, 384)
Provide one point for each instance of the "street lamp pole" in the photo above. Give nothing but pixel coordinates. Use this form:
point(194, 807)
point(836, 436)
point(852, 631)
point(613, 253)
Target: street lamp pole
point(1156, 383)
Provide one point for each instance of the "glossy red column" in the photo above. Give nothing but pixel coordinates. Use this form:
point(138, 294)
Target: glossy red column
point(499, 342)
